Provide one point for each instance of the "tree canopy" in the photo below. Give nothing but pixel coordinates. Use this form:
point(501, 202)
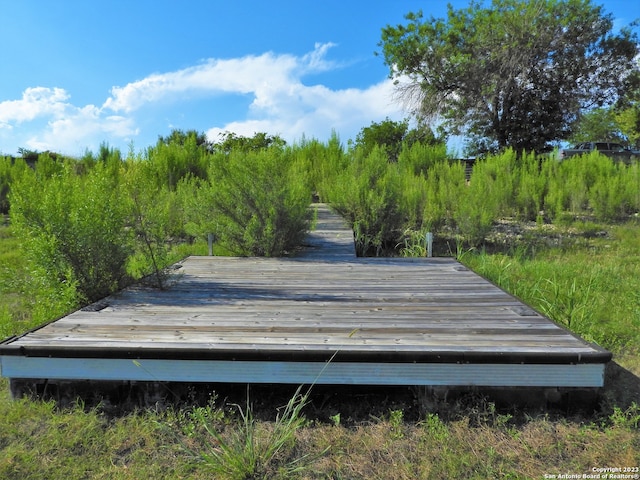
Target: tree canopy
point(514, 74)
point(230, 141)
point(391, 136)
point(619, 122)
point(599, 124)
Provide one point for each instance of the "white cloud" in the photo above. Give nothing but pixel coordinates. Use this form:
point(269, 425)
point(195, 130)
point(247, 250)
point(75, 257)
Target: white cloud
point(35, 102)
point(282, 104)
point(315, 61)
point(314, 111)
point(80, 129)
point(244, 75)
point(66, 128)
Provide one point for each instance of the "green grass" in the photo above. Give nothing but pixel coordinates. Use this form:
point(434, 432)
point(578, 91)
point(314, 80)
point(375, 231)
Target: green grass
point(39, 440)
point(588, 283)
point(254, 449)
point(588, 279)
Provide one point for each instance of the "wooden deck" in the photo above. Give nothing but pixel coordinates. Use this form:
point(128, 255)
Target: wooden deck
point(324, 316)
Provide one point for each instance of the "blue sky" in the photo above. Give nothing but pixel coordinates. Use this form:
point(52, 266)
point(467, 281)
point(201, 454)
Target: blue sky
point(77, 73)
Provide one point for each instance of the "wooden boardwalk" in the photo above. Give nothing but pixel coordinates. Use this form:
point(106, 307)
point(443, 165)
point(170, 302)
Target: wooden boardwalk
point(323, 316)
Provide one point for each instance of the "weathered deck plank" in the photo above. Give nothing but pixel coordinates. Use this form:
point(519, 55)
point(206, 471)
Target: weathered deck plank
point(325, 304)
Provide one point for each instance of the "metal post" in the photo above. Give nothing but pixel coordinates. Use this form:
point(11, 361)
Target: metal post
point(429, 244)
point(210, 239)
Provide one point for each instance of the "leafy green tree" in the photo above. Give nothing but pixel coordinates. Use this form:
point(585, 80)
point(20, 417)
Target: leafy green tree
point(392, 136)
point(597, 124)
point(512, 74)
point(28, 155)
point(628, 120)
point(387, 135)
point(180, 137)
point(229, 142)
point(107, 153)
point(628, 115)
point(619, 122)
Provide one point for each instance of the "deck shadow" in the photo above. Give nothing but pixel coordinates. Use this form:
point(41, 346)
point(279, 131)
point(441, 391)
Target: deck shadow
point(621, 387)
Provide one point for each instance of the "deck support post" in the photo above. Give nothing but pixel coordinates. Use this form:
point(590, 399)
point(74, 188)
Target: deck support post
point(210, 241)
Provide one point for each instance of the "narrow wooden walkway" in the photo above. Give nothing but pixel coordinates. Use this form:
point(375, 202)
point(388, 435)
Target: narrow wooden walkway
point(331, 238)
point(324, 316)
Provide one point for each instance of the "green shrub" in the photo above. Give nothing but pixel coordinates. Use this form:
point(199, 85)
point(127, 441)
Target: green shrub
point(73, 227)
point(488, 197)
point(10, 169)
point(367, 193)
point(592, 185)
point(446, 185)
point(6, 166)
point(531, 186)
point(259, 202)
point(196, 201)
point(323, 163)
point(170, 162)
point(420, 158)
point(155, 220)
point(630, 186)
point(413, 200)
point(614, 193)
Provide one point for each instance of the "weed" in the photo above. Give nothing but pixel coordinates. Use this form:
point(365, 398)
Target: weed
point(568, 304)
point(335, 419)
point(435, 428)
point(252, 451)
point(396, 420)
point(629, 418)
point(414, 244)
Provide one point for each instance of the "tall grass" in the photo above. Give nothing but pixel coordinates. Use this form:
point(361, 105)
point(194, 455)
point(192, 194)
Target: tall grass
point(253, 449)
point(591, 288)
point(470, 439)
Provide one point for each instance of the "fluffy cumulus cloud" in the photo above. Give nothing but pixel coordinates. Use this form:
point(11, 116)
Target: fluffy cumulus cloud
point(280, 103)
point(66, 128)
point(35, 102)
point(314, 111)
point(286, 106)
point(243, 75)
point(80, 129)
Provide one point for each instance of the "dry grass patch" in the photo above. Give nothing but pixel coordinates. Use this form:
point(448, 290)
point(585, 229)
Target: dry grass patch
point(435, 449)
